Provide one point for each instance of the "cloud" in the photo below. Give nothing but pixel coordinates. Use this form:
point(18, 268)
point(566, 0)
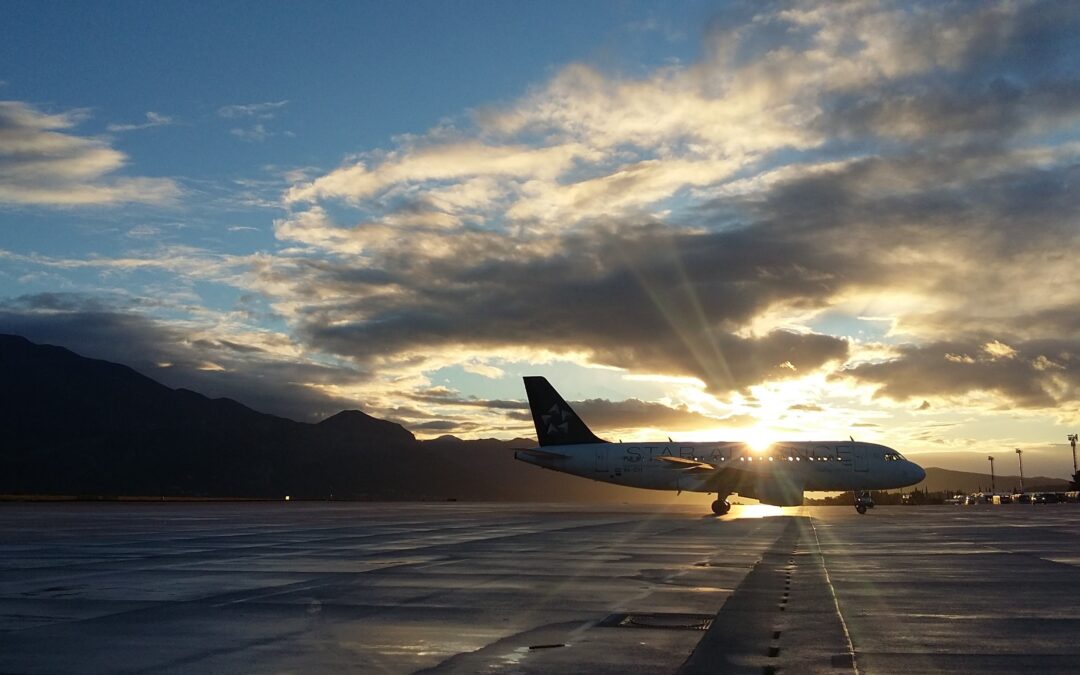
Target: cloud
point(255, 134)
point(41, 164)
point(599, 414)
point(256, 114)
point(441, 162)
point(448, 397)
point(1030, 374)
point(642, 298)
point(153, 119)
point(265, 110)
point(602, 414)
point(185, 262)
point(145, 231)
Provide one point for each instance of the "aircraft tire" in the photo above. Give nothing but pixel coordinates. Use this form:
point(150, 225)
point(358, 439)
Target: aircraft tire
point(721, 507)
point(861, 508)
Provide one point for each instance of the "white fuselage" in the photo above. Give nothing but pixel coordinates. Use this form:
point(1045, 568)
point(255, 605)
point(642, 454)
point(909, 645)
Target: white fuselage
point(809, 465)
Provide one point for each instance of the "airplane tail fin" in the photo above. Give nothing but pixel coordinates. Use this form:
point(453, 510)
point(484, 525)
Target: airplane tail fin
point(556, 423)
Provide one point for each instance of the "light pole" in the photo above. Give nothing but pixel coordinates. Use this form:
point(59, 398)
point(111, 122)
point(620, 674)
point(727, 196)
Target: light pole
point(1072, 442)
point(1020, 458)
point(993, 490)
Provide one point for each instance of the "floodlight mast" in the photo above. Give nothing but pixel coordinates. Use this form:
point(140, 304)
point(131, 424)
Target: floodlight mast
point(1020, 458)
point(1072, 442)
point(993, 490)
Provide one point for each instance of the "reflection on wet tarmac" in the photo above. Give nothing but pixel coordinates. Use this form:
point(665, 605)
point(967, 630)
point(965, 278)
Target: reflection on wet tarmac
point(497, 588)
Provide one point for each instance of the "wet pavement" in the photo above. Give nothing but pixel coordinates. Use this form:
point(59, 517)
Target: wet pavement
point(399, 588)
point(958, 588)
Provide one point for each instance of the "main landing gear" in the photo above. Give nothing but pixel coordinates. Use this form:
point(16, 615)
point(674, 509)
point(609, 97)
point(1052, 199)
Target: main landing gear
point(720, 507)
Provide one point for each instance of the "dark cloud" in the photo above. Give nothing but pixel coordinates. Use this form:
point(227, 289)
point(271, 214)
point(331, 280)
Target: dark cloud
point(650, 298)
point(632, 413)
point(954, 111)
point(992, 71)
point(956, 223)
point(1030, 374)
point(444, 396)
point(247, 373)
point(445, 425)
point(600, 414)
point(640, 297)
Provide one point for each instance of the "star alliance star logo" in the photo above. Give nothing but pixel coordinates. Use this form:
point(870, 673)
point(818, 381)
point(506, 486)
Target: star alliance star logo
point(557, 420)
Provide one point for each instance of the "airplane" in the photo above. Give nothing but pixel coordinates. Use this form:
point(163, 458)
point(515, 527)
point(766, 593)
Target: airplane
point(776, 476)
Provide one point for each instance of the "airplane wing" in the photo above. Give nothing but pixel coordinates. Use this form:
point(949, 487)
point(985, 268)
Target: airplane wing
point(687, 464)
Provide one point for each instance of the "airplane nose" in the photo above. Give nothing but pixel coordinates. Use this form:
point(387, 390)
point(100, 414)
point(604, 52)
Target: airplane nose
point(918, 472)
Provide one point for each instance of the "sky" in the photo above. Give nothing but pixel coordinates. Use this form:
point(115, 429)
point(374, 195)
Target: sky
point(739, 221)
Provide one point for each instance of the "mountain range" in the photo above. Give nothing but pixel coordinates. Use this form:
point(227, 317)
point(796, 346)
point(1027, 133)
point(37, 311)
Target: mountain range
point(79, 426)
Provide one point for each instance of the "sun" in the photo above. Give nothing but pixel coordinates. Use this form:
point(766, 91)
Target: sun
point(759, 439)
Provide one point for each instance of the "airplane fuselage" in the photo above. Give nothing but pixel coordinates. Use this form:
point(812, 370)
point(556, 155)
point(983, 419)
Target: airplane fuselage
point(813, 465)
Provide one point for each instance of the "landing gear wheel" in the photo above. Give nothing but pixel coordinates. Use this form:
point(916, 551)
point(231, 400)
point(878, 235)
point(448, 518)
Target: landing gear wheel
point(720, 507)
point(861, 508)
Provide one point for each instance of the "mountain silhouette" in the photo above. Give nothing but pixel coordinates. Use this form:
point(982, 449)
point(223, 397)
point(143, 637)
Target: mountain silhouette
point(79, 426)
point(942, 480)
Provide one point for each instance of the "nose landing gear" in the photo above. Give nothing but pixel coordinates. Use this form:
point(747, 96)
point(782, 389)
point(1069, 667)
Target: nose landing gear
point(863, 501)
point(721, 506)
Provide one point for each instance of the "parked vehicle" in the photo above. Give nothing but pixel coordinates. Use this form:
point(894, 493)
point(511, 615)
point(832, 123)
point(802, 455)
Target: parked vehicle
point(1045, 498)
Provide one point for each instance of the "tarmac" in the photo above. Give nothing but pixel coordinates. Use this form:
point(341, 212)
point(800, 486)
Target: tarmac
point(524, 588)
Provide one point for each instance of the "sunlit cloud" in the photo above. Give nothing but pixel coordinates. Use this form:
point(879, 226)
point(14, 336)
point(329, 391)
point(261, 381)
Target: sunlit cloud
point(43, 164)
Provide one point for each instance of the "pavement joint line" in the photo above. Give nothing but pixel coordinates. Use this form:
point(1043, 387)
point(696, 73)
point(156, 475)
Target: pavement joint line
point(836, 600)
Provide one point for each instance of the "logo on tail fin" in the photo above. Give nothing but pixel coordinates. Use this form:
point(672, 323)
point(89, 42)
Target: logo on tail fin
point(557, 420)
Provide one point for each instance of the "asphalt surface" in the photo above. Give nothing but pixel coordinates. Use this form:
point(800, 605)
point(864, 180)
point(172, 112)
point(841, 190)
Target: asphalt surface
point(507, 588)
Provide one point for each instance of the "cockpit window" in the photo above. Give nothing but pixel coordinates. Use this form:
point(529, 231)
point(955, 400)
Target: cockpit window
point(893, 457)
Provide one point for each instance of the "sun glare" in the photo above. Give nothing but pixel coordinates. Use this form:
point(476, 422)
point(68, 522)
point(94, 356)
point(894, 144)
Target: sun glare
point(744, 511)
point(759, 440)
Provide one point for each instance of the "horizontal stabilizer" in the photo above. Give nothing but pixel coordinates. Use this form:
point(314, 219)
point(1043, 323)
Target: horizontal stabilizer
point(542, 454)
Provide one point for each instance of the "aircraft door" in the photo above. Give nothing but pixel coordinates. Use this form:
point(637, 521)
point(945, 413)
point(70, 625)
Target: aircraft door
point(861, 461)
point(601, 465)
